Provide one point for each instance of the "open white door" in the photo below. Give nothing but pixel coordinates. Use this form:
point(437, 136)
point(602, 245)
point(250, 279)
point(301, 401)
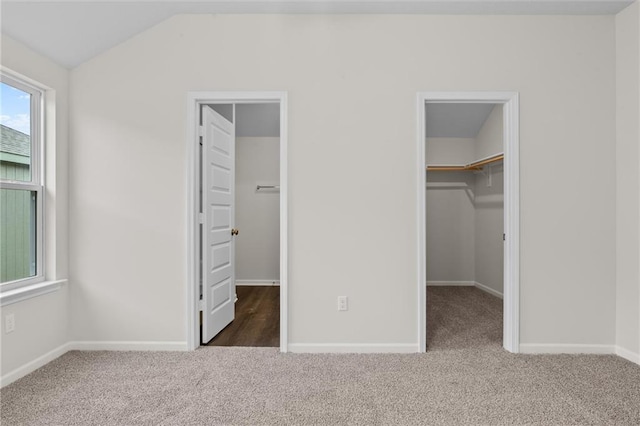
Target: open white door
point(218, 178)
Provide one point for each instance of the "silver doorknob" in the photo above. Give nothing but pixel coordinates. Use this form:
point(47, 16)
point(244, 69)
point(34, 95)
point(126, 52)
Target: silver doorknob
point(234, 231)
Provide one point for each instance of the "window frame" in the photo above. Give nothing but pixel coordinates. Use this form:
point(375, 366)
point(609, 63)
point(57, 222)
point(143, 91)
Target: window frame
point(37, 183)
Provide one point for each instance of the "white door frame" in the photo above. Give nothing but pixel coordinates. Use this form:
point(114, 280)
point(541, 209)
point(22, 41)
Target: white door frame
point(194, 100)
point(510, 102)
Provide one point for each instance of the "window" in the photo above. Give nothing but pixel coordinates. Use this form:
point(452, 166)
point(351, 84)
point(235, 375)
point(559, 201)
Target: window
point(21, 183)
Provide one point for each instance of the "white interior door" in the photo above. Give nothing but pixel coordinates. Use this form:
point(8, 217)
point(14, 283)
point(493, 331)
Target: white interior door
point(218, 176)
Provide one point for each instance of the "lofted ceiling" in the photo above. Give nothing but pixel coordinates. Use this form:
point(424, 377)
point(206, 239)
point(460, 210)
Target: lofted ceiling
point(73, 32)
point(456, 120)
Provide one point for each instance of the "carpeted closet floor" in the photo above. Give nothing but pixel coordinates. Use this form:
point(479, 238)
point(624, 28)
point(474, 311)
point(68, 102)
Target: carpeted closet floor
point(464, 379)
point(463, 318)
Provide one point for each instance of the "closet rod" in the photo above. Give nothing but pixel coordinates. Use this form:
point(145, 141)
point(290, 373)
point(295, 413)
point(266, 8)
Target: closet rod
point(488, 160)
point(447, 168)
point(475, 166)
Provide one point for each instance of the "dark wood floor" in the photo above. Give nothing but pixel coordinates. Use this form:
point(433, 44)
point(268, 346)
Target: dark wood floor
point(257, 321)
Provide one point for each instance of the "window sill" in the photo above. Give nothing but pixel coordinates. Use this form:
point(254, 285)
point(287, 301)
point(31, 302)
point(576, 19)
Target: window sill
point(29, 291)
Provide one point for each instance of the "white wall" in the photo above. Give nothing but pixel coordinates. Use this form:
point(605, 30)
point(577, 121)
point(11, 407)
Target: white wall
point(627, 181)
point(450, 226)
point(489, 206)
point(353, 214)
point(257, 212)
point(489, 140)
point(450, 214)
point(489, 227)
point(450, 151)
point(42, 322)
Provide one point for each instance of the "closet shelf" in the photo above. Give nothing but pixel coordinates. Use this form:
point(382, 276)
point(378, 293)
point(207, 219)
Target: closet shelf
point(475, 166)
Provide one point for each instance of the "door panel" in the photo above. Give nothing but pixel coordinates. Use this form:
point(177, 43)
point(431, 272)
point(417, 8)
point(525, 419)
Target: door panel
point(219, 295)
point(218, 168)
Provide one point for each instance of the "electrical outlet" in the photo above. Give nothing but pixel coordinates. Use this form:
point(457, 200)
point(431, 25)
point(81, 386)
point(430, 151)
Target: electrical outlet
point(9, 323)
point(343, 303)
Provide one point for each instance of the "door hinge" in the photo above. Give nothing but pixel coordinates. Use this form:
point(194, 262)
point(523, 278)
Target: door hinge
point(504, 237)
point(200, 217)
point(201, 305)
point(201, 131)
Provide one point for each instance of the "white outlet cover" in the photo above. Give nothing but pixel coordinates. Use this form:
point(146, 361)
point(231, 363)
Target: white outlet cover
point(343, 303)
point(9, 323)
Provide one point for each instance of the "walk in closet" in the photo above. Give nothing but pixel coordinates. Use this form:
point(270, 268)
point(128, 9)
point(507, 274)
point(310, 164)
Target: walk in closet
point(464, 196)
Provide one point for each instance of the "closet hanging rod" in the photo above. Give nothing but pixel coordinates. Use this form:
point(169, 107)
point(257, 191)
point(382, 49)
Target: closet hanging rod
point(487, 160)
point(475, 166)
point(259, 187)
point(451, 168)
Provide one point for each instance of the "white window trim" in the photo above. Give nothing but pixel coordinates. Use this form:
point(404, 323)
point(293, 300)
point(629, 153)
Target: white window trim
point(29, 286)
point(7, 297)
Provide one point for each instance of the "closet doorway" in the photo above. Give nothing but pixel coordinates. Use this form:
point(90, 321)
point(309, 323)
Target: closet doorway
point(237, 249)
point(468, 212)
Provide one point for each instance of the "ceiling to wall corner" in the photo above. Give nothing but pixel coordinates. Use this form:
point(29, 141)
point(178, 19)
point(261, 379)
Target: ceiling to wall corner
point(456, 120)
point(72, 32)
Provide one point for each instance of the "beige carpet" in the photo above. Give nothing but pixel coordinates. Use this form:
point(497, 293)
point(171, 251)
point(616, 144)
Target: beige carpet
point(463, 318)
point(452, 384)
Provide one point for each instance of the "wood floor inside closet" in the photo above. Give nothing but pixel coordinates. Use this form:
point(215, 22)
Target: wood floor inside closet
point(257, 319)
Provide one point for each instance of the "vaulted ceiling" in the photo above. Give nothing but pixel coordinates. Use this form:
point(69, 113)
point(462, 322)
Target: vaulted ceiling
point(456, 120)
point(72, 32)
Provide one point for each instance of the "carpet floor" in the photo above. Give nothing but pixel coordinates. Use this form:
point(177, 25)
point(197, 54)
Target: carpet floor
point(463, 318)
point(461, 380)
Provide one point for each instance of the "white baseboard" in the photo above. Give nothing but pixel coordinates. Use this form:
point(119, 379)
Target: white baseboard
point(127, 346)
point(489, 290)
point(358, 348)
point(627, 354)
point(552, 348)
point(451, 283)
point(32, 366)
point(258, 282)
point(465, 284)
point(88, 346)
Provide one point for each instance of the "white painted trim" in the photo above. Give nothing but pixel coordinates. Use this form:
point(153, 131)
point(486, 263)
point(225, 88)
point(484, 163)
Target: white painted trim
point(357, 348)
point(451, 283)
point(43, 360)
point(216, 97)
point(510, 102)
point(193, 221)
point(127, 346)
point(32, 366)
point(489, 290)
point(559, 348)
point(27, 292)
point(261, 283)
point(284, 223)
point(627, 354)
point(422, 220)
point(194, 99)
point(511, 289)
point(37, 183)
point(465, 284)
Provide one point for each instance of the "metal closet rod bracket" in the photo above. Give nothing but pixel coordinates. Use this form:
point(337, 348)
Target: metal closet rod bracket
point(259, 187)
